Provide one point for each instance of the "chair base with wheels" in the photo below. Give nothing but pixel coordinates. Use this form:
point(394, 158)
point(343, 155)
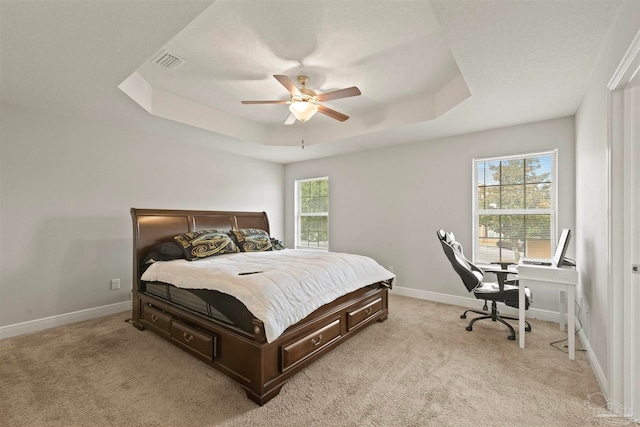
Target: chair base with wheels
point(495, 316)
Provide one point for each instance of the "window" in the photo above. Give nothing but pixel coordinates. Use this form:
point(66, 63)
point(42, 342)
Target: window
point(514, 207)
point(312, 213)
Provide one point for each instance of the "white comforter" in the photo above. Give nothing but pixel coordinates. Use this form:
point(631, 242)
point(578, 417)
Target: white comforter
point(289, 285)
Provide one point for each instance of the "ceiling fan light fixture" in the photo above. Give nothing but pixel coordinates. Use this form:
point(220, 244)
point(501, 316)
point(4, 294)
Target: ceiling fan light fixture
point(305, 103)
point(303, 110)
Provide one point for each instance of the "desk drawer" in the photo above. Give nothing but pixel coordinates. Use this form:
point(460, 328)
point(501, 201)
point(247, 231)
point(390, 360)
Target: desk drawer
point(156, 318)
point(195, 340)
point(358, 316)
point(303, 348)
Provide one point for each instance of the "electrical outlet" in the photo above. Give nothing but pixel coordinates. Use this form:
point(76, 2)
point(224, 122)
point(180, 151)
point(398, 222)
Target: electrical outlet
point(115, 284)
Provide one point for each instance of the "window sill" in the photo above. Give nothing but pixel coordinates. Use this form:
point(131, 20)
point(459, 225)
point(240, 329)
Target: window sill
point(307, 248)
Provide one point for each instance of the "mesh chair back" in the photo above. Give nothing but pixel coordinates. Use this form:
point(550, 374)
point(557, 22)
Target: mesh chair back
point(471, 276)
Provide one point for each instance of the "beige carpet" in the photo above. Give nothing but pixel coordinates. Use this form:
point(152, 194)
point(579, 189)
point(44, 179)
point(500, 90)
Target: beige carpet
point(418, 368)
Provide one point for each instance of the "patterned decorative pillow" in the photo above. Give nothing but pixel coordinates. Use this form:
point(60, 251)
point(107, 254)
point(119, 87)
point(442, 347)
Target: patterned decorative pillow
point(205, 243)
point(276, 245)
point(252, 240)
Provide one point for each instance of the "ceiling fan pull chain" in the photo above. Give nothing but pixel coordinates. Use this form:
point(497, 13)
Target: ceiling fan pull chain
point(303, 135)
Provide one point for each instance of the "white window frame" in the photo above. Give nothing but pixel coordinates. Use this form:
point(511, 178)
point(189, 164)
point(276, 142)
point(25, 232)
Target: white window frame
point(299, 215)
point(553, 211)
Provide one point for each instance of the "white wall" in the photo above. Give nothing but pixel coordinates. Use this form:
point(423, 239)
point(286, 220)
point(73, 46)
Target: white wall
point(67, 187)
point(388, 203)
point(591, 182)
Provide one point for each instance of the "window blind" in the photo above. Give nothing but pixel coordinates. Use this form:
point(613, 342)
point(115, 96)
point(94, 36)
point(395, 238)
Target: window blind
point(514, 207)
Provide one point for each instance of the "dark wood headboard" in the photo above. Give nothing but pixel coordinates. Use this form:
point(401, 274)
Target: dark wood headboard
point(153, 226)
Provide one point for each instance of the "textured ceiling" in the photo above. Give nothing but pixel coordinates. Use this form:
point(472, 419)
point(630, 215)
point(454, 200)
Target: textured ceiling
point(393, 51)
point(426, 69)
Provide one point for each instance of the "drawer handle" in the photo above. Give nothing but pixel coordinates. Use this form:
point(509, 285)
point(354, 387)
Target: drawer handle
point(187, 337)
point(316, 342)
point(154, 318)
point(367, 311)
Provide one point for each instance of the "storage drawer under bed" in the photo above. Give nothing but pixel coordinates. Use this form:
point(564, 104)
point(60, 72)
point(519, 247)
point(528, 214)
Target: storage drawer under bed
point(195, 340)
point(298, 351)
point(357, 317)
point(156, 319)
point(180, 333)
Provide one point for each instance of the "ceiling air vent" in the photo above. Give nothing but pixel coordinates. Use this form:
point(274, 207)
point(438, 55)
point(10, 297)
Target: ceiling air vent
point(168, 61)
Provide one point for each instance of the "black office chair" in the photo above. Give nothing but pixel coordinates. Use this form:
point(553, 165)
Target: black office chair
point(505, 291)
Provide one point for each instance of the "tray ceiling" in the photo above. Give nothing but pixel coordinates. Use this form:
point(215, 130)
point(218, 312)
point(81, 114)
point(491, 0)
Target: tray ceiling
point(426, 69)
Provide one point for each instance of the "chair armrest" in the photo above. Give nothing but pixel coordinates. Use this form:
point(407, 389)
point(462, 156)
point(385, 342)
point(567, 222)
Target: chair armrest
point(497, 270)
point(500, 273)
point(502, 277)
point(504, 264)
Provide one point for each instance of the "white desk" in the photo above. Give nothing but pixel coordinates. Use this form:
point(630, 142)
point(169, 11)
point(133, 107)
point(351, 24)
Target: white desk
point(565, 279)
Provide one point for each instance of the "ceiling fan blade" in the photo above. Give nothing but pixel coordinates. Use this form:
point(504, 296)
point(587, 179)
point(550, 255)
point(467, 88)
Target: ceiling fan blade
point(290, 120)
point(265, 102)
point(340, 93)
point(332, 113)
point(287, 83)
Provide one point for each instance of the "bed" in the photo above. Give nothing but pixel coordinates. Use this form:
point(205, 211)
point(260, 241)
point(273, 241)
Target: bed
point(218, 328)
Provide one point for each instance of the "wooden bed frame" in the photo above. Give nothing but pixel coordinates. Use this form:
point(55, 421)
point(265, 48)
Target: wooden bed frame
point(261, 368)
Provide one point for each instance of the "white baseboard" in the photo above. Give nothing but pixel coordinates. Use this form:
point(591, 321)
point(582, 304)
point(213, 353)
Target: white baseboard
point(533, 313)
point(597, 369)
point(62, 319)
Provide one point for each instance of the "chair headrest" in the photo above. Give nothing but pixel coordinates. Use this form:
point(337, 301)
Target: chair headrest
point(446, 236)
point(450, 238)
point(470, 275)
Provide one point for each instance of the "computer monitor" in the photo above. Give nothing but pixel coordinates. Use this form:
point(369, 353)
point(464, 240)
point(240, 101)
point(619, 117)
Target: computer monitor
point(561, 249)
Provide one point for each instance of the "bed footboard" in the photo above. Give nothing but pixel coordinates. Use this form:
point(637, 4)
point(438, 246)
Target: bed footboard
point(262, 368)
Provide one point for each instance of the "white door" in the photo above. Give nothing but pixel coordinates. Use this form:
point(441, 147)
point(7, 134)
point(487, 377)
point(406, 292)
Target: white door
point(623, 392)
point(632, 104)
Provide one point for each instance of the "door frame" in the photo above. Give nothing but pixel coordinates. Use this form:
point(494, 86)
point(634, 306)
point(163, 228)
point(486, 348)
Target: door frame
point(623, 151)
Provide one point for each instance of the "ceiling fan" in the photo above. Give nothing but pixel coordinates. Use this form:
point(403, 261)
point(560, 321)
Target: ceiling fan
point(304, 103)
